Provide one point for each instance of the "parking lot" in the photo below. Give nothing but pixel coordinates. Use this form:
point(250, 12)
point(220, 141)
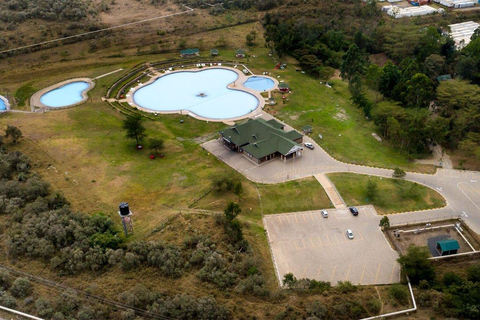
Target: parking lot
point(310, 246)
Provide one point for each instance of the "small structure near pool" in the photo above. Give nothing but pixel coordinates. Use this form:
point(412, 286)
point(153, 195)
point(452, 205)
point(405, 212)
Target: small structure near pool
point(447, 247)
point(240, 53)
point(283, 87)
point(214, 52)
point(261, 140)
point(189, 53)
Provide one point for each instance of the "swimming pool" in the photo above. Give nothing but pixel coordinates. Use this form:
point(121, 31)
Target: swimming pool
point(204, 93)
point(259, 83)
point(3, 106)
point(65, 95)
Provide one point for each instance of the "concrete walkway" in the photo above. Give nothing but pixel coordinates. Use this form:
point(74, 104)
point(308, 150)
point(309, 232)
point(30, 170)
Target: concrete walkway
point(331, 191)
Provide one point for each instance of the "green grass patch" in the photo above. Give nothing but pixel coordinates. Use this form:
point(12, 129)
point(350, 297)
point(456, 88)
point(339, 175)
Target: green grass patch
point(24, 93)
point(391, 195)
point(293, 196)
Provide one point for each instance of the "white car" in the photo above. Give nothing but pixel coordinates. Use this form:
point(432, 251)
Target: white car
point(324, 214)
point(349, 234)
point(309, 145)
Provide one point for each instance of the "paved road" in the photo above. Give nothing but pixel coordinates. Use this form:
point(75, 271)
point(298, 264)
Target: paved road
point(461, 189)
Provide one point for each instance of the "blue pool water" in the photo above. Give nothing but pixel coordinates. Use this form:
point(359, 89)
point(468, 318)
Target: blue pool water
point(259, 83)
point(204, 93)
point(2, 105)
point(65, 95)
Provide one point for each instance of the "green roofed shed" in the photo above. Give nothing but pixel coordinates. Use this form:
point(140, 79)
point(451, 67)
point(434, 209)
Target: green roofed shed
point(444, 77)
point(446, 247)
point(214, 52)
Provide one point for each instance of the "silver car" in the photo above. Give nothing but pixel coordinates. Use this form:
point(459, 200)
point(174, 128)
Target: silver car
point(324, 214)
point(349, 234)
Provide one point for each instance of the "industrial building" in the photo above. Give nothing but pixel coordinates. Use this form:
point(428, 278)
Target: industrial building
point(461, 33)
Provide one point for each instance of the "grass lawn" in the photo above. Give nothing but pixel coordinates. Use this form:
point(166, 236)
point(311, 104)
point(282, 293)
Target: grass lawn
point(300, 195)
point(392, 196)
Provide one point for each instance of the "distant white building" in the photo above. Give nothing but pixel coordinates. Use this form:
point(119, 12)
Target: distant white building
point(462, 32)
point(456, 3)
point(398, 12)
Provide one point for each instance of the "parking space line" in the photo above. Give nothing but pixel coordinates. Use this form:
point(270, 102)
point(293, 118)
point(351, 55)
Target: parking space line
point(393, 271)
point(363, 272)
point(280, 220)
point(360, 236)
point(303, 273)
point(303, 216)
point(311, 241)
point(303, 242)
point(321, 242)
point(333, 273)
point(318, 272)
point(348, 272)
point(328, 238)
point(296, 219)
point(378, 270)
point(311, 216)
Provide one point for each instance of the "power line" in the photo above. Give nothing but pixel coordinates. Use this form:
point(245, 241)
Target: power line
point(100, 30)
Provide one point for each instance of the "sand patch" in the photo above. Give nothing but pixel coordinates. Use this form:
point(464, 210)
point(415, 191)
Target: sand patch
point(341, 115)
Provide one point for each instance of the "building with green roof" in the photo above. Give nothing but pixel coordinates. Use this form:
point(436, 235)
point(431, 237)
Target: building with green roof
point(446, 247)
point(189, 53)
point(261, 140)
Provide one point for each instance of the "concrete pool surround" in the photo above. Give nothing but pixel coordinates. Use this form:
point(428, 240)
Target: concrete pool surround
point(35, 101)
point(237, 84)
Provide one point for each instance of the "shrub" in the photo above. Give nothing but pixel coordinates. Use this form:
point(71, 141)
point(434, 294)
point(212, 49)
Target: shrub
point(317, 309)
point(254, 284)
point(21, 288)
point(374, 305)
point(473, 273)
point(345, 287)
point(86, 313)
point(451, 278)
point(399, 293)
point(44, 308)
point(7, 300)
point(399, 173)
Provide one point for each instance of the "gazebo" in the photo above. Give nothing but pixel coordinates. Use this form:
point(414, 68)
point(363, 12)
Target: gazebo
point(240, 53)
point(283, 87)
point(214, 52)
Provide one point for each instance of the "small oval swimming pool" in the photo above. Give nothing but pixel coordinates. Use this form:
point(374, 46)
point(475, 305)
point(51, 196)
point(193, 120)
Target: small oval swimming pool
point(3, 106)
point(65, 95)
point(259, 83)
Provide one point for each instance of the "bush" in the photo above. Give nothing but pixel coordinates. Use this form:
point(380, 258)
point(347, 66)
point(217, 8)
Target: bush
point(317, 309)
point(346, 287)
point(473, 273)
point(44, 308)
point(451, 278)
point(399, 173)
point(254, 284)
point(21, 288)
point(399, 293)
point(86, 313)
point(374, 306)
point(7, 300)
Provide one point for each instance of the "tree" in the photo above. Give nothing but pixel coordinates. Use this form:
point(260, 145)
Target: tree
point(384, 223)
point(372, 78)
point(238, 189)
point(13, 132)
point(389, 78)
point(399, 173)
point(156, 144)
point(250, 38)
point(325, 73)
point(232, 211)
point(353, 62)
point(420, 91)
point(416, 264)
point(134, 128)
point(289, 280)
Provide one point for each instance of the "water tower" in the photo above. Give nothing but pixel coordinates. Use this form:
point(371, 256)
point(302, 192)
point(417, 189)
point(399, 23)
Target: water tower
point(126, 216)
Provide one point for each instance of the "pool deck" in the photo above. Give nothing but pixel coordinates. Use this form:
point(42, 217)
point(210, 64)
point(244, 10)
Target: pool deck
point(236, 85)
point(37, 105)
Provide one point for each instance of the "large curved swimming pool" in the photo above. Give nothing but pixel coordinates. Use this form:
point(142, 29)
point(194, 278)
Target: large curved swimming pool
point(66, 95)
point(259, 83)
point(204, 93)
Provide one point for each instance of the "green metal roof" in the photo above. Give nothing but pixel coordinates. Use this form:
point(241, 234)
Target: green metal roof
point(189, 51)
point(261, 138)
point(214, 51)
point(283, 85)
point(448, 245)
point(240, 51)
point(444, 77)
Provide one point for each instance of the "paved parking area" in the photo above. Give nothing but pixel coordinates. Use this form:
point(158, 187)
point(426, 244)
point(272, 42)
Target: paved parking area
point(472, 191)
point(310, 246)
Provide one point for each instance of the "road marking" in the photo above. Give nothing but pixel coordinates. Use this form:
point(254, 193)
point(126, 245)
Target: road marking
point(295, 243)
point(280, 220)
point(303, 216)
point(333, 273)
point(321, 242)
point(378, 270)
point(363, 272)
point(348, 272)
point(303, 273)
point(311, 241)
point(318, 272)
point(296, 219)
point(393, 271)
point(311, 216)
point(360, 236)
point(304, 246)
point(288, 219)
point(458, 186)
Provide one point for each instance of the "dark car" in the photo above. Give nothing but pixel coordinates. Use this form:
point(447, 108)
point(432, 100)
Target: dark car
point(354, 211)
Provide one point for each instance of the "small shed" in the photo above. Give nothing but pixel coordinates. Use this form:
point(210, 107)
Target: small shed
point(283, 87)
point(189, 53)
point(444, 77)
point(214, 52)
point(307, 129)
point(240, 53)
point(447, 247)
